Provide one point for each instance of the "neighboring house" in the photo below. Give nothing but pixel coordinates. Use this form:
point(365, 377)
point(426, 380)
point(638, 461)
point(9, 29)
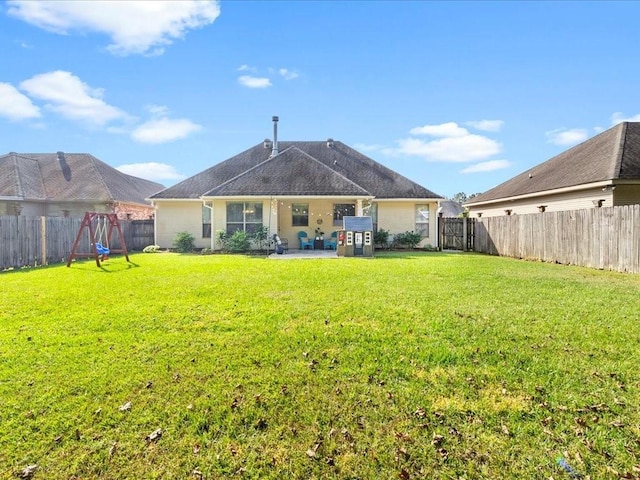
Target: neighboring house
point(291, 187)
point(68, 185)
point(602, 171)
point(450, 209)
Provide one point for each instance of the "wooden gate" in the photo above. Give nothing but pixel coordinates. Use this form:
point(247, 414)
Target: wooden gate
point(457, 233)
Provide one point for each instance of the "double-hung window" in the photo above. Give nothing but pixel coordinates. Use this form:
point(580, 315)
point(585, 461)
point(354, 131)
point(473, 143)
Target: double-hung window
point(206, 222)
point(244, 216)
point(300, 215)
point(422, 220)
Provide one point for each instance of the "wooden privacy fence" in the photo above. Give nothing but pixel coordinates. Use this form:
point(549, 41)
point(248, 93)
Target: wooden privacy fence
point(44, 240)
point(607, 238)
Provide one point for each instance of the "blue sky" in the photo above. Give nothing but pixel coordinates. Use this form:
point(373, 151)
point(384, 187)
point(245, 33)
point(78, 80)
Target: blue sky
point(458, 96)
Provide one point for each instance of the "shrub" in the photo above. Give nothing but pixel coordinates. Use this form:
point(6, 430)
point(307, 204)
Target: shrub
point(261, 235)
point(408, 239)
point(381, 238)
point(222, 239)
point(206, 251)
point(151, 249)
point(184, 242)
point(238, 242)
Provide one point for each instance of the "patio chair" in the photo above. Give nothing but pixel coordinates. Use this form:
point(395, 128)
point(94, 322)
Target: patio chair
point(305, 241)
point(332, 242)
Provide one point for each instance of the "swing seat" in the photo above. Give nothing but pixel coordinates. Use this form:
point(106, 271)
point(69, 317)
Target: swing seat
point(101, 249)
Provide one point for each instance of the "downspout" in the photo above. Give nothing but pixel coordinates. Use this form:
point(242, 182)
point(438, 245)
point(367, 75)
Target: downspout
point(155, 220)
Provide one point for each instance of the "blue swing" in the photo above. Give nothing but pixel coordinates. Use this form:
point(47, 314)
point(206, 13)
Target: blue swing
point(102, 250)
point(101, 231)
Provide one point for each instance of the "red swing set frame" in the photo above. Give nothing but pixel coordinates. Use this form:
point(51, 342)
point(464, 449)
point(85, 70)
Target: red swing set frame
point(88, 221)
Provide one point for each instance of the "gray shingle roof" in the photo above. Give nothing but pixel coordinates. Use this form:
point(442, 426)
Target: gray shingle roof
point(610, 155)
point(69, 177)
point(301, 168)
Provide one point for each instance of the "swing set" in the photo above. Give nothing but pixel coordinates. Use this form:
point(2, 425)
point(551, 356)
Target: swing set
point(100, 227)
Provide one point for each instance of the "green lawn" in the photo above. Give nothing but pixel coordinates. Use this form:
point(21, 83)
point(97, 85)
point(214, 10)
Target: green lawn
point(405, 366)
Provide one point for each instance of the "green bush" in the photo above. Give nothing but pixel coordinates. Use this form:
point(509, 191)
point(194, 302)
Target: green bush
point(260, 236)
point(206, 251)
point(238, 242)
point(381, 238)
point(407, 239)
point(151, 249)
point(184, 242)
point(222, 240)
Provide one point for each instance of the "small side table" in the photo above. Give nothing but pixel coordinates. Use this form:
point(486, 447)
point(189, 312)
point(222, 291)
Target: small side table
point(318, 244)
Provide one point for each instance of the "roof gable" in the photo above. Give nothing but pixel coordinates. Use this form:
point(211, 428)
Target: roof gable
point(612, 154)
point(342, 164)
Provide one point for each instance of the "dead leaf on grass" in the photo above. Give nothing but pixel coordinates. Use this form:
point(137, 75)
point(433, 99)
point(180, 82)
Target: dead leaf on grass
point(112, 450)
point(154, 436)
point(126, 407)
point(312, 452)
point(28, 471)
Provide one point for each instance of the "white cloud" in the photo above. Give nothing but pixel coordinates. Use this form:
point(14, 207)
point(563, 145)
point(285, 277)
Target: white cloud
point(287, 74)
point(67, 95)
point(567, 136)
point(135, 27)
point(254, 82)
point(489, 166)
point(450, 129)
point(14, 105)
point(457, 144)
point(158, 110)
point(486, 125)
point(466, 148)
point(246, 68)
point(162, 130)
point(154, 171)
point(619, 117)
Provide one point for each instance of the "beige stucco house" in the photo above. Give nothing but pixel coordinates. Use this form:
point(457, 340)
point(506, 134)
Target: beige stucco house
point(602, 171)
point(68, 185)
point(291, 187)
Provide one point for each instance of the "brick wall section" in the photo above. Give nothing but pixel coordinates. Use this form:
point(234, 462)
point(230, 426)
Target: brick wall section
point(128, 211)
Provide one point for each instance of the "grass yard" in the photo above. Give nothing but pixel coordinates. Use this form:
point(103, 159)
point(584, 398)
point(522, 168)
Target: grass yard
point(409, 366)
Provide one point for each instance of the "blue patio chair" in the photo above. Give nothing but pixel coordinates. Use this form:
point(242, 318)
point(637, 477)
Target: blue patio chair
point(332, 242)
point(305, 241)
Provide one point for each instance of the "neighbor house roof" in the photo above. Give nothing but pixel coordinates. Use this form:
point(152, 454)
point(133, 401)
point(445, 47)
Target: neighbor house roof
point(300, 168)
point(69, 177)
point(611, 155)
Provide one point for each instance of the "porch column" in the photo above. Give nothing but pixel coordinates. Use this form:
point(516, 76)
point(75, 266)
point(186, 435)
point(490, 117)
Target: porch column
point(359, 209)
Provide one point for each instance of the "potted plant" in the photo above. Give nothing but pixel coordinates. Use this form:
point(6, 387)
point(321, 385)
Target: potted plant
point(319, 234)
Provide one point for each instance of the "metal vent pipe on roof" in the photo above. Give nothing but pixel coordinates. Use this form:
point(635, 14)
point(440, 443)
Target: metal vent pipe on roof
point(274, 151)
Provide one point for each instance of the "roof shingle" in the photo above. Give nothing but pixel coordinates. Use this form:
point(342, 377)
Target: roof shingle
point(69, 177)
point(301, 168)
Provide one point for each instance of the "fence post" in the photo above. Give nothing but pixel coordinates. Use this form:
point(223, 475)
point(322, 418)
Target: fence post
point(43, 240)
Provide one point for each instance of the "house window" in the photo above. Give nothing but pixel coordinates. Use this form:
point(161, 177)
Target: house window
point(206, 222)
point(244, 216)
point(422, 220)
point(300, 215)
point(341, 210)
